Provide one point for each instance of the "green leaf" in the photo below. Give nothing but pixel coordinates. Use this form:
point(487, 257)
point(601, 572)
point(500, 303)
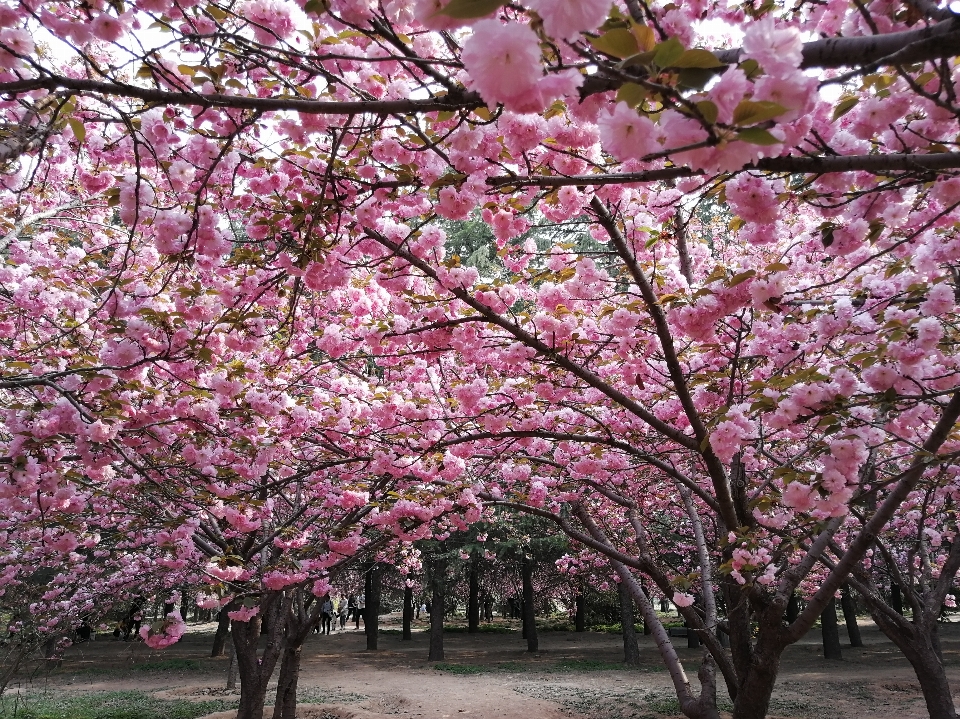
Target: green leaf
point(750, 68)
point(757, 136)
point(451, 178)
point(876, 229)
point(618, 42)
point(632, 94)
point(694, 78)
point(701, 59)
point(708, 111)
point(470, 9)
point(844, 106)
point(79, 131)
point(742, 277)
point(826, 235)
point(646, 37)
point(749, 112)
point(667, 53)
point(643, 58)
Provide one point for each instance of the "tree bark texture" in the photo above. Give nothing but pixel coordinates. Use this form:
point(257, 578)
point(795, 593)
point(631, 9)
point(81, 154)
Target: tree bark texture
point(285, 706)
point(631, 650)
point(473, 599)
point(223, 631)
point(407, 613)
point(830, 631)
point(255, 671)
point(439, 587)
point(896, 598)
point(371, 616)
point(793, 608)
point(850, 617)
point(529, 612)
point(580, 618)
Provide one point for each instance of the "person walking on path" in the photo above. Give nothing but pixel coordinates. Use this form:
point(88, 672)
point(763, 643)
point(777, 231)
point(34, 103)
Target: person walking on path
point(361, 607)
point(343, 612)
point(326, 615)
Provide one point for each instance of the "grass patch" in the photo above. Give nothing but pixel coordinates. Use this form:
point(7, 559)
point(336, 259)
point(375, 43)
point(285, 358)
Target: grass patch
point(589, 665)
point(461, 668)
point(315, 695)
point(169, 665)
point(105, 705)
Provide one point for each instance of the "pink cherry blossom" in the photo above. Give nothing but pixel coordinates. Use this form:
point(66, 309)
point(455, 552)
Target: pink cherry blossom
point(566, 19)
point(503, 62)
point(777, 49)
point(627, 135)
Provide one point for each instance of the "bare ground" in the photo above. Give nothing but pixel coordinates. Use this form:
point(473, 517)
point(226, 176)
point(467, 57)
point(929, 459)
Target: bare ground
point(492, 676)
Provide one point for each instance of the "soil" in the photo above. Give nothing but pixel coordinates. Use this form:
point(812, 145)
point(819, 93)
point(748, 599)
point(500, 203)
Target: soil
point(489, 675)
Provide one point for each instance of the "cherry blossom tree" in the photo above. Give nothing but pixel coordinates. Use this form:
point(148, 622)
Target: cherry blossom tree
point(758, 310)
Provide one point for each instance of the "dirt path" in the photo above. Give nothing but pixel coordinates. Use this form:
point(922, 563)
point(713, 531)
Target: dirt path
point(491, 676)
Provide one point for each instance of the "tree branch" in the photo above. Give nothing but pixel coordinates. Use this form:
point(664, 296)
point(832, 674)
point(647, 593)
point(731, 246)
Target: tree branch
point(880, 164)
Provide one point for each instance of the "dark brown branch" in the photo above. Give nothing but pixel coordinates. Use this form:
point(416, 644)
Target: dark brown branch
point(69, 85)
point(890, 162)
point(927, 43)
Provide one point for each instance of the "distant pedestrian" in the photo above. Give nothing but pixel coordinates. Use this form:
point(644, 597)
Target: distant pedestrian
point(343, 612)
point(326, 615)
point(361, 607)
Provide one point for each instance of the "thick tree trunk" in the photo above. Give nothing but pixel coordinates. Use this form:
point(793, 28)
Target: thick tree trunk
point(896, 598)
point(285, 706)
point(921, 646)
point(253, 683)
point(693, 639)
point(256, 667)
point(631, 650)
point(793, 608)
point(529, 612)
point(223, 632)
point(232, 668)
point(438, 582)
point(580, 618)
point(407, 613)
point(371, 617)
point(830, 631)
point(850, 617)
point(753, 694)
point(473, 600)
point(928, 665)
